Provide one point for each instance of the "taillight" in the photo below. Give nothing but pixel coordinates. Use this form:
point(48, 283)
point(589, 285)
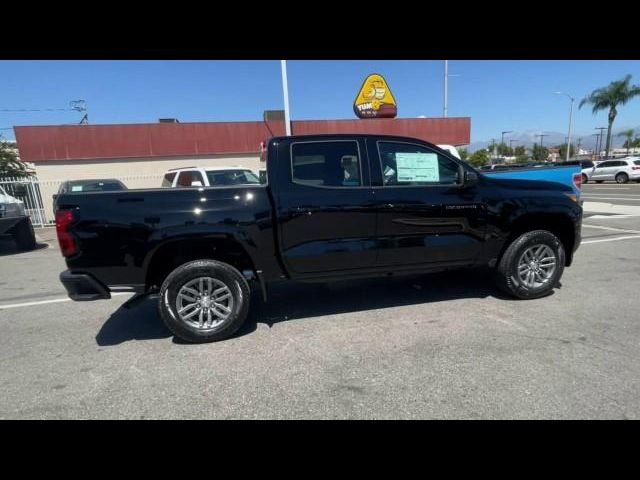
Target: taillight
point(577, 180)
point(635, 168)
point(68, 245)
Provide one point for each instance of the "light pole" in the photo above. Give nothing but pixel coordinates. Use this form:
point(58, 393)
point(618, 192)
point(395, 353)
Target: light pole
point(285, 91)
point(446, 87)
point(570, 121)
point(445, 108)
point(510, 145)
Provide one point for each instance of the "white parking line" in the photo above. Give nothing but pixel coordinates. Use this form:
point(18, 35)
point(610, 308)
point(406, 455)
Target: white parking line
point(630, 195)
point(621, 230)
point(629, 199)
point(53, 300)
point(610, 239)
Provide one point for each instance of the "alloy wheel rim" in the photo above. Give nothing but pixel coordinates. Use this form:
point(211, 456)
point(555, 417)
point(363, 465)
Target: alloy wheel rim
point(536, 266)
point(204, 303)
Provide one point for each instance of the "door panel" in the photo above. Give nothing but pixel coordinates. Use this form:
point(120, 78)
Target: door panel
point(325, 211)
point(423, 222)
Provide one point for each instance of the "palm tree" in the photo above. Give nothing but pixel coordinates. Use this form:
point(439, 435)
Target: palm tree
point(629, 141)
point(618, 92)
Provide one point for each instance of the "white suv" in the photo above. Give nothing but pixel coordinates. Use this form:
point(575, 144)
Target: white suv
point(621, 170)
point(209, 177)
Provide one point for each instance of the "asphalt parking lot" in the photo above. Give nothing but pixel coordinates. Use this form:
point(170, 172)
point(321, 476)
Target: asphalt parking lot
point(437, 346)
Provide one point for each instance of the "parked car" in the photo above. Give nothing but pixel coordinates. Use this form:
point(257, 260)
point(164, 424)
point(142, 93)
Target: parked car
point(621, 170)
point(336, 207)
point(14, 220)
point(92, 185)
point(209, 177)
point(451, 149)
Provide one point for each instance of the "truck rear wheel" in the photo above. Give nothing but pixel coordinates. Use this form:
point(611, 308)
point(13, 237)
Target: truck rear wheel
point(24, 235)
point(204, 301)
point(532, 265)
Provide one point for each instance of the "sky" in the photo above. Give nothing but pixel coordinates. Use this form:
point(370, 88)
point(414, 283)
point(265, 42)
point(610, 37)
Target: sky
point(497, 95)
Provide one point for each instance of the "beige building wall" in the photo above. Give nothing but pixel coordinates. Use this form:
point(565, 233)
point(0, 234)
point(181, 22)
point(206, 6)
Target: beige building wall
point(133, 172)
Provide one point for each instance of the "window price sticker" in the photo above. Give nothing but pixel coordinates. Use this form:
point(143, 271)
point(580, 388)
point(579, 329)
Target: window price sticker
point(417, 167)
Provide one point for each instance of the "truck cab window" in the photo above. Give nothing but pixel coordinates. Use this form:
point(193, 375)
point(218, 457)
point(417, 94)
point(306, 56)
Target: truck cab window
point(187, 178)
point(405, 164)
point(167, 181)
point(326, 164)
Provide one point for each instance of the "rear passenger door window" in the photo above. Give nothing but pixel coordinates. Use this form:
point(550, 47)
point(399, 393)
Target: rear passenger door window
point(334, 164)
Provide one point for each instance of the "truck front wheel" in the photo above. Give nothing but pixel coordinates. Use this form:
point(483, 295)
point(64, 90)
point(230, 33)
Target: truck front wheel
point(532, 265)
point(24, 236)
point(204, 301)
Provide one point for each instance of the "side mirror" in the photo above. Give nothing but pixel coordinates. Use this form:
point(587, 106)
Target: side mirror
point(196, 183)
point(470, 178)
point(55, 196)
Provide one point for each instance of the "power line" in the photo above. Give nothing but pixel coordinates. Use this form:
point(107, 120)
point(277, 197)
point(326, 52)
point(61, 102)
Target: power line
point(36, 109)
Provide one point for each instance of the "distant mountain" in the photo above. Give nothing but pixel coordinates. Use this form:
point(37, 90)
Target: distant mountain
point(528, 138)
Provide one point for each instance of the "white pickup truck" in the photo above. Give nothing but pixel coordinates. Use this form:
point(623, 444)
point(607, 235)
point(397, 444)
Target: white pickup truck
point(209, 177)
point(15, 222)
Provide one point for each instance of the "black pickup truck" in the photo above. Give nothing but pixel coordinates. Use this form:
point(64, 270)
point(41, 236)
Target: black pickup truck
point(334, 207)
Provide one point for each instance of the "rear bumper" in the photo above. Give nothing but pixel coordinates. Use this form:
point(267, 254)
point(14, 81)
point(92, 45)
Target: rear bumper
point(82, 287)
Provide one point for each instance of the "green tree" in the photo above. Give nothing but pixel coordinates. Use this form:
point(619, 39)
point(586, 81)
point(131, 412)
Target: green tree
point(504, 150)
point(479, 158)
point(520, 151)
point(522, 158)
point(10, 165)
point(618, 92)
point(629, 142)
point(563, 151)
point(464, 153)
point(539, 153)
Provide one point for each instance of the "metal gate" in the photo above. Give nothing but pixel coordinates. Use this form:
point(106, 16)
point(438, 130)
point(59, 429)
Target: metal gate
point(38, 194)
point(31, 195)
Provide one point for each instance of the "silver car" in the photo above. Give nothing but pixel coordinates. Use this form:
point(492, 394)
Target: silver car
point(621, 170)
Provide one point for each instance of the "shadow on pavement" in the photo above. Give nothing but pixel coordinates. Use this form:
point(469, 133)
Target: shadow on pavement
point(138, 318)
point(8, 247)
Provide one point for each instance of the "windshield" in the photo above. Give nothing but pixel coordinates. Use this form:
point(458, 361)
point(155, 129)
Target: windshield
point(96, 186)
point(232, 177)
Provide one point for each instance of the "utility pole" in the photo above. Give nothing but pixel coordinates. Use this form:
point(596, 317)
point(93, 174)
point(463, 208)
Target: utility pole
point(542, 135)
point(502, 138)
point(595, 149)
point(285, 91)
point(602, 129)
point(510, 145)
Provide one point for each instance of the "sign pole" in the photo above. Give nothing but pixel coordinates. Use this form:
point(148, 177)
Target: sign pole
point(285, 91)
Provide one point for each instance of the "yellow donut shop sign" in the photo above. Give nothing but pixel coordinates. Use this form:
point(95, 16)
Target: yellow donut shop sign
point(375, 99)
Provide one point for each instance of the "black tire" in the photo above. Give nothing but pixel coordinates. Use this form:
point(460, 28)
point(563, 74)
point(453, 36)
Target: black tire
point(223, 272)
point(24, 235)
point(507, 270)
point(622, 178)
point(585, 179)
